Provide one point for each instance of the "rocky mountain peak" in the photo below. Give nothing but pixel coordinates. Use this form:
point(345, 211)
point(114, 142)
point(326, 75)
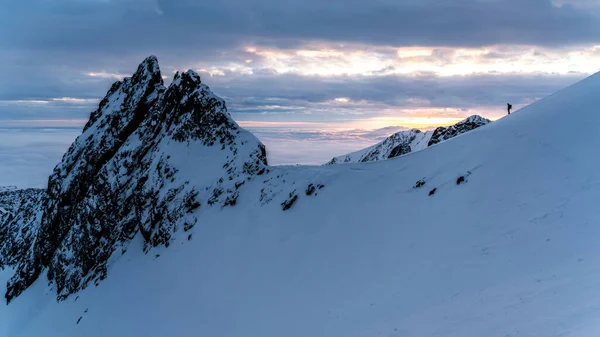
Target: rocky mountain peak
point(133, 171)
point(140, 89)
point(148, 72)
point(195, 112)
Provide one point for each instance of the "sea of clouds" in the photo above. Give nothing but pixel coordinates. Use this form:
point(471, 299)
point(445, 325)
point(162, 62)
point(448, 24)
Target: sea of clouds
point(28, 155)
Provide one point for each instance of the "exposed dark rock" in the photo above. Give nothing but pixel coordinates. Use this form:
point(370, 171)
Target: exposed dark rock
point(420, 183)
point(137, 170)
point(121, 178)
point(400, 150)
point(444, 133)
point(231, 200)
point(290, 202)
point(432, 192)
point(18, 206)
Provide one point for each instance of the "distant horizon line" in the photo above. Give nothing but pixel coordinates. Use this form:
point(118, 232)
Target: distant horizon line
point(358, 124)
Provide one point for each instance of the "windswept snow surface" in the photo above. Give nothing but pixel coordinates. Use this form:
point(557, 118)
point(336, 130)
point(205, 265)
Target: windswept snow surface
point(513, 251)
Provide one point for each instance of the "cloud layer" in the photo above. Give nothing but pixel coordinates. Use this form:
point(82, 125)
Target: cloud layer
point(402, 62)
point(28, 156)
point(104, 25)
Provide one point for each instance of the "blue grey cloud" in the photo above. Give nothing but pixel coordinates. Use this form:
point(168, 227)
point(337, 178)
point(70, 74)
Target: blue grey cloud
point(303, 97)
point(48, 47)
point(120, 26)
point(369, 95)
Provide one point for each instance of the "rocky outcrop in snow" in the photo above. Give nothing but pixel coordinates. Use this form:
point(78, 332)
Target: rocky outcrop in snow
point(412, 140)
point(444, 133)
point(149, 157)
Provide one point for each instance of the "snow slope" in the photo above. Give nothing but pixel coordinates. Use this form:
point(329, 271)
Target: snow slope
point(513, 251)
point(404, 142)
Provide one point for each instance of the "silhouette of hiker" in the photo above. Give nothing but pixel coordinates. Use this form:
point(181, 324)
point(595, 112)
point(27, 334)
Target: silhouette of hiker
point(509, 106)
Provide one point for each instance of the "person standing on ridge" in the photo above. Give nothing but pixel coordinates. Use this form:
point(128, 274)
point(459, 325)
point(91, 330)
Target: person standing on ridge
point(508, 106)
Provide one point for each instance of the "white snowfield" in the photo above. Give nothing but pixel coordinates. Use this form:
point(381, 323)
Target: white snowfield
point(513, 251)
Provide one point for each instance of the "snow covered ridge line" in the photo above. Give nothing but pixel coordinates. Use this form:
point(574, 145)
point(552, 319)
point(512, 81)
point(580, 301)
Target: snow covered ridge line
point(149, 162)
point(408, 141)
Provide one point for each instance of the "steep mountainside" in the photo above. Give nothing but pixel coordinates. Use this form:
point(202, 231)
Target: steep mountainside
point(493, 233)
point(412, 140)
point(148, 158)
point(19, 210)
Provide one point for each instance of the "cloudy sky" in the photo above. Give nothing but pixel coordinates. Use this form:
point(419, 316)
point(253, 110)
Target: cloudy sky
point(319, 65)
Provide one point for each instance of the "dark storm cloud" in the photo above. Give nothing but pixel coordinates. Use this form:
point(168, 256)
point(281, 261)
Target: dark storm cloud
point(134, 25)
point(409, 22)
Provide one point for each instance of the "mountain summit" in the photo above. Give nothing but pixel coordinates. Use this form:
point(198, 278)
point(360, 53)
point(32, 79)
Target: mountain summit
point(146, 158)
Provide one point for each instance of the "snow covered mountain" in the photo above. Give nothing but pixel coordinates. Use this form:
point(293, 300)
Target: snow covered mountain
point(404, 142)
point(497, 234)
point(146, 158)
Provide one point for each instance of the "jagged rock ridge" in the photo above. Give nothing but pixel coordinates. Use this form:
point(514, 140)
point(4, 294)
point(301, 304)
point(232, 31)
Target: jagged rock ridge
point(134, 170)
point(444, 133)
point(408, 141)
